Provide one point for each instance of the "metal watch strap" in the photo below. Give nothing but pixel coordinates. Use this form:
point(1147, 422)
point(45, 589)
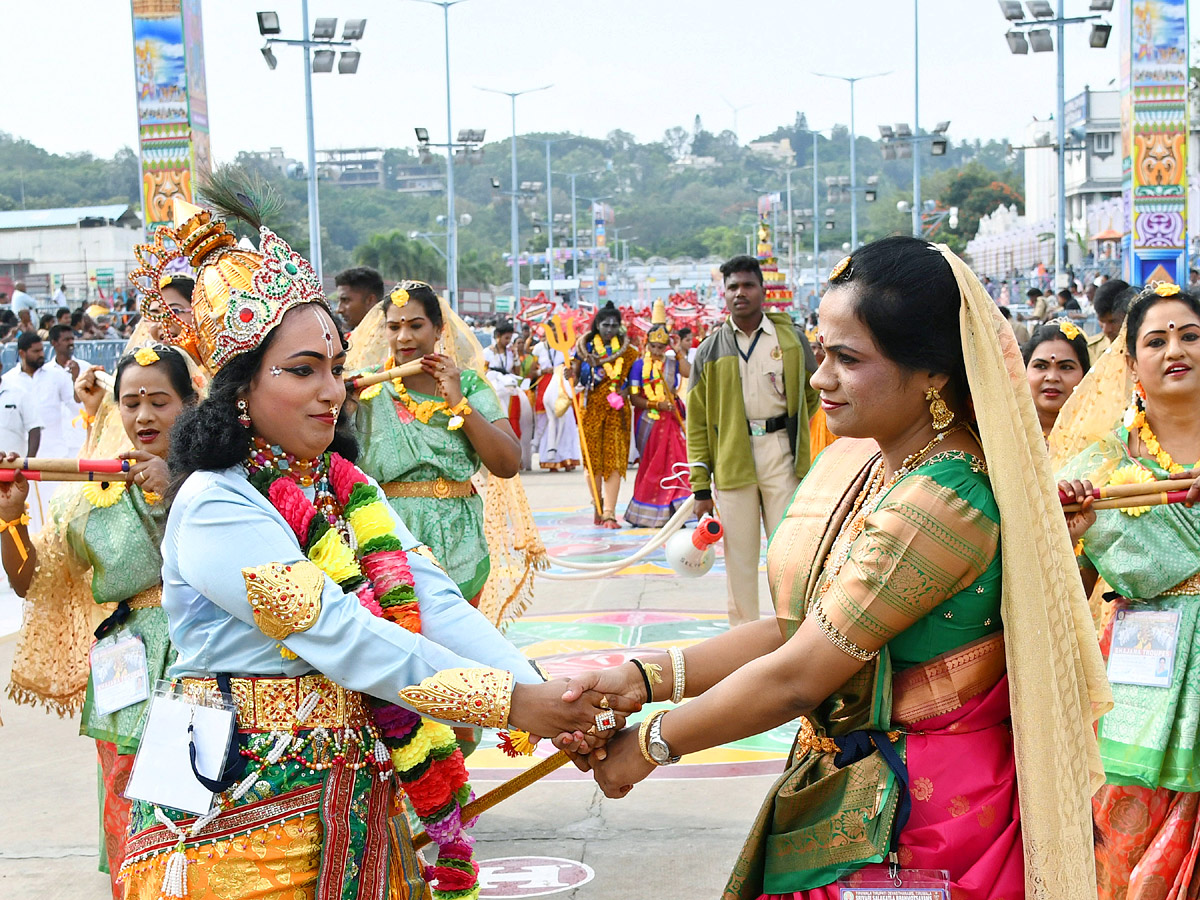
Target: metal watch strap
point(655, 737)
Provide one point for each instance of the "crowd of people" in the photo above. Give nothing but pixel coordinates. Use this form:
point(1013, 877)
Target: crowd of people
point(996, 690)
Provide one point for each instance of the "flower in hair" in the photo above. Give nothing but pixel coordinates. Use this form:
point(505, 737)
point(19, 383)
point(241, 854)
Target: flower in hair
point(1166, 289)
point(146, 356)
point(1069, 329)
point(399, 298)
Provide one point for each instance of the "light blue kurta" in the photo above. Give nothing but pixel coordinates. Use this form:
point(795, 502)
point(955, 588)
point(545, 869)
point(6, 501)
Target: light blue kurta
point(219, 524)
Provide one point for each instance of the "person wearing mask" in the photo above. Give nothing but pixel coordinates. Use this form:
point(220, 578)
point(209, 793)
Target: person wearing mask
point(749, 410)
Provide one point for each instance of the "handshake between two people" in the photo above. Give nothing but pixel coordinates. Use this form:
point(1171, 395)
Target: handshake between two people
point(586, 718)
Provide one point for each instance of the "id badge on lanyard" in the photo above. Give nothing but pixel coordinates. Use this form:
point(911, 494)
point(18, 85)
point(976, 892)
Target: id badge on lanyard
point(887, 883)
point(120, 677)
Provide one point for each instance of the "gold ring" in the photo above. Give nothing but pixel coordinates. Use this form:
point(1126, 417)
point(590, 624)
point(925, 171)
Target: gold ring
point(604, 701)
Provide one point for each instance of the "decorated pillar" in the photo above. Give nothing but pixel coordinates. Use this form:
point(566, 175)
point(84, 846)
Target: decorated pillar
point(172, 104)
point(1154, 136)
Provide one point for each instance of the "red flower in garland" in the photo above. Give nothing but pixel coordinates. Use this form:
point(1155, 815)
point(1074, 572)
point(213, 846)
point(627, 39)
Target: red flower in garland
point(297, 510)
point(343, 476)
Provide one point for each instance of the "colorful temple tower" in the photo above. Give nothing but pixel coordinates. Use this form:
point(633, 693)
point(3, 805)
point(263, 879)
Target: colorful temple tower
point(172, 103)
point(1154, 138)
point(778, 293)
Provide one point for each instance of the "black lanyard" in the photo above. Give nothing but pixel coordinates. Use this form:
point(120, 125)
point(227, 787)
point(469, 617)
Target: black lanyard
point(754, 343)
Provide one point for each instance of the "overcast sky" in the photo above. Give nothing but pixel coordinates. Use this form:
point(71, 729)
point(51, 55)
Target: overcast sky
point(639, 65)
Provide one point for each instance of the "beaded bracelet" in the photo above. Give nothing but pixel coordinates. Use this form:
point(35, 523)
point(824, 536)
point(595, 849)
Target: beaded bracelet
point(678, 673)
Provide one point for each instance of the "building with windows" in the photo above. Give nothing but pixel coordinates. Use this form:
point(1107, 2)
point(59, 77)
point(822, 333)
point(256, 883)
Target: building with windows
point(85, 248)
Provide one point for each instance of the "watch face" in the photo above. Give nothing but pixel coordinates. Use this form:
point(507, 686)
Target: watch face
point(659, 752)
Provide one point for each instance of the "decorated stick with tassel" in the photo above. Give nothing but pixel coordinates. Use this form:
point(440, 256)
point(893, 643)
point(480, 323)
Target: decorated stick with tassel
point(358, 382)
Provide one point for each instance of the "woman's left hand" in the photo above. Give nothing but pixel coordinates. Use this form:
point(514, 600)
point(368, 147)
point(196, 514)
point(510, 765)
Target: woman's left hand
point(447, 375)
point(1193, 494)
point(149, 472)
point(623, 766)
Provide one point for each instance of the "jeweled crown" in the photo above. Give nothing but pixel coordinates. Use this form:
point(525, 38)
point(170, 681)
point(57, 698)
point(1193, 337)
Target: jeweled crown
point(241, 295)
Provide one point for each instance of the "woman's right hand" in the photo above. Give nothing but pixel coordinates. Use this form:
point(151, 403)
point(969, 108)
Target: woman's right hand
point(13, 494)
point(543, 710)
point(1079, 492)
point(89, 391)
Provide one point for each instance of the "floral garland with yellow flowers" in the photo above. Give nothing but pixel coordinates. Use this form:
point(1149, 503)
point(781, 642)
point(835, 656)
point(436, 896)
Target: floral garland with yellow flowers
point(424, 410)
point(611, 361)
point(653, 385)
point(424, 754)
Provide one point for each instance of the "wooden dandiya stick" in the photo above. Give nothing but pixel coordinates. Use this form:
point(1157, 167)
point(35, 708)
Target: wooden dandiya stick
point(1136, 489)
point(1161, 498)
point(518, 782)
point(408, 369)
point(54, 464)
point(7, 475)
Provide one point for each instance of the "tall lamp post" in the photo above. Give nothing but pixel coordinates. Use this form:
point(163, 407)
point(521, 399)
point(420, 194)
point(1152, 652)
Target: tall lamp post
point(852, 80)
point(451, 220)
point(322, 61)
point(1038, 37)
point(516, 238)
point(549, 142)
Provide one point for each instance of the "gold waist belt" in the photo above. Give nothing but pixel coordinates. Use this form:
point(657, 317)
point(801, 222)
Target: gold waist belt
point(807, 739)
point(147, 599)
point(438, 489)
point(269, 703)
point(1190, 587)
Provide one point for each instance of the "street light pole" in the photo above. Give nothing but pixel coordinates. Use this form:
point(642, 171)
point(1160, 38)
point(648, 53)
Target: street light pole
point(516, 239)
point(916, 210)
point(549, 223)
point(851, 80)
point(1060, 227)
point(314, 206)
point(451, 219)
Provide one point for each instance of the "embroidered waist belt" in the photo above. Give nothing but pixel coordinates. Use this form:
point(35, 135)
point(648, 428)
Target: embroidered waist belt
point(269, 703)
point(438, 489)
point(1188, 587)
point(147, 599)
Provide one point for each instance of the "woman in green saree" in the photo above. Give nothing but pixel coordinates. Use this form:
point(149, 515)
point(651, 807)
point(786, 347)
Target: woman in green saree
point(1147, 811)
point(947, 714)
point(423, 438)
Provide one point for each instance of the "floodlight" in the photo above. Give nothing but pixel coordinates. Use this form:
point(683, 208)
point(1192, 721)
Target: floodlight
point(1040, 9)
point(348, 62)
point(413, 235)
point(272, 62)
point(1101, 5)
point(1016, 42)
point(872, 189)
point(904, 151)
point(324, 29)
point(1040, 40)
point(938, 146)
point(843, 181)
point(322, 60)
point(353, 29)
point(422, 135)
point(1099, 36)
point(477, 136)
point(425, 157)
point(885, 132)
point(889, 152)
point(902, 130)
point(942, 127)
point(495, 183)
point(829, 226)
point(527, 185)
point(268, 23)
point(1012, 10)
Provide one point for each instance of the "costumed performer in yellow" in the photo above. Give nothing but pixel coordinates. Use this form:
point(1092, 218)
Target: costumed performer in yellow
point(949, 688)
point(290, 584)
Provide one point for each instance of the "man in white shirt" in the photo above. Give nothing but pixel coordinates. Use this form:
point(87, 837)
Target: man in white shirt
point(60, 296)
point(23, 305)
point(51, 392)
point(20, 426)
point(63, 359)
point(500, 356)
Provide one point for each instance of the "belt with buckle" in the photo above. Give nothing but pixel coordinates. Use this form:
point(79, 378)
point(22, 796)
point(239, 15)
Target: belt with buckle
point(759, 427)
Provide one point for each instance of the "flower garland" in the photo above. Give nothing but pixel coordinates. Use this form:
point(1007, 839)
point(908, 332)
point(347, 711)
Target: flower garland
point(598, 346)
point(653, 385)
point(424, 410)
point(423, 753)
point(1135, 419)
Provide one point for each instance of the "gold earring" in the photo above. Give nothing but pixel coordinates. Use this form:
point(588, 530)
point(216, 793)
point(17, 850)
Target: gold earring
point(942, 416)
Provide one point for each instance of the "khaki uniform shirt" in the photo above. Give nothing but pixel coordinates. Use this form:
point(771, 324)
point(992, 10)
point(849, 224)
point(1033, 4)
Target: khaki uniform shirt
point(761, 367)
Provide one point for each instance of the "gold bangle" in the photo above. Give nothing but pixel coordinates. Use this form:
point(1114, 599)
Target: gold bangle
point(643, 737)
point(678, 673)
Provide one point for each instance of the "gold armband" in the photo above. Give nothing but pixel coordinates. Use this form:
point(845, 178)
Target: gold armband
point(284, 598)
point(478, 696)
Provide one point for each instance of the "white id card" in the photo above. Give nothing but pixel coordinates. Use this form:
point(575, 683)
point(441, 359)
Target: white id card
point(162, 772)
point(119, 674)
point(1143, 647)
point(875, 883)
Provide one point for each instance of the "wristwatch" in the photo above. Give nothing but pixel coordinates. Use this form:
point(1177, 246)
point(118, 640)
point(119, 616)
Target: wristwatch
point(659, 752)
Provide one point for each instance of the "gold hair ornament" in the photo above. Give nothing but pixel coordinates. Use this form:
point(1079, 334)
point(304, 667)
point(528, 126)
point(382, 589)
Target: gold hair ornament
point(842, 268)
